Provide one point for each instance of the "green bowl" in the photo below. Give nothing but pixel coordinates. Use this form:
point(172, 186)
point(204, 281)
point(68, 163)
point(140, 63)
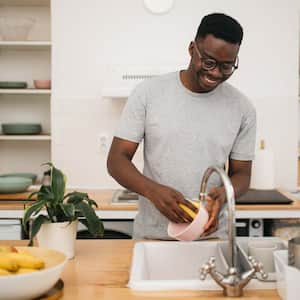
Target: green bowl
point(21, 128)
point(10, 185)
point(32, 176)
point(13, 84)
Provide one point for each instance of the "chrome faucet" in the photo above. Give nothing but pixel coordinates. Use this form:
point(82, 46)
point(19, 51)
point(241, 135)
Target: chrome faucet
point(233, 282)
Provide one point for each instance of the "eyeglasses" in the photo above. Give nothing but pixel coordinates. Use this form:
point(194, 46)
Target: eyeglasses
point(208, 64)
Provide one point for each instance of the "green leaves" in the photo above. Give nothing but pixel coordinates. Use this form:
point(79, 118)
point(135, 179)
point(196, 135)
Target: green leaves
point(46, 193)
point(94, 224)
point(32, 210)
point(58, 185)
point(60, 207)
point(69, 210)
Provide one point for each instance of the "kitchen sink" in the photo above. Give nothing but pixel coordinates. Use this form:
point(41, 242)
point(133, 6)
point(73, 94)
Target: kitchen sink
point(124, 197)
point(172, 265)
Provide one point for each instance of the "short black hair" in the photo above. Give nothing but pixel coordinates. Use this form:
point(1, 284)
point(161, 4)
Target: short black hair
point(220, 26)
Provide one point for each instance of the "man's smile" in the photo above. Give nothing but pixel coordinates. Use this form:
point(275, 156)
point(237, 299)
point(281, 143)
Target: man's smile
point(208, 80)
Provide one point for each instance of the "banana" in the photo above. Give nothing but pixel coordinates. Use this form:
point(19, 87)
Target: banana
point(27, 261)
point(4, 272)
point(25, 270)
point(4, 249)
point(13, 261)
point(7, 249)
point(24, 251)
point(8, 263)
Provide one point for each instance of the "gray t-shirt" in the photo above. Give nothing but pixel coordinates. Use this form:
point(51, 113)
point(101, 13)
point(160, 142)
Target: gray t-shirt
point(184, 133)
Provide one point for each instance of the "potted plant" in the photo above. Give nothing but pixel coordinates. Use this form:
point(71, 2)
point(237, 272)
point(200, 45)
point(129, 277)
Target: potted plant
point(58, 226)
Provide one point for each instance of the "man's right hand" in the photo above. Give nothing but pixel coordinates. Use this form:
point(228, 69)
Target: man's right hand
point(167, 201)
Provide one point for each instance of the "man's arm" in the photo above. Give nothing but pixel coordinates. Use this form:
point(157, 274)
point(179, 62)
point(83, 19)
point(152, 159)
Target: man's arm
point(121, 168)
point(240, 173)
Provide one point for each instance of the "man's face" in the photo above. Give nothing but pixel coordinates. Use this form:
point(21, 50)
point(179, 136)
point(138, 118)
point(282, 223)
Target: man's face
point(204, 52)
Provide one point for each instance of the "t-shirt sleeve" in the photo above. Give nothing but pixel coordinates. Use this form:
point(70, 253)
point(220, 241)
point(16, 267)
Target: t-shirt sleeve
point(131, 125)
point(244, 144)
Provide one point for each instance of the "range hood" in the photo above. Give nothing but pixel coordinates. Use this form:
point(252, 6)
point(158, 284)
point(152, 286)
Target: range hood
point(121, 80)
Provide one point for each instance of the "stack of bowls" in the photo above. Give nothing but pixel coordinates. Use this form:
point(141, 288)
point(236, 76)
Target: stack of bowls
point(21, 128)
point(16, 182)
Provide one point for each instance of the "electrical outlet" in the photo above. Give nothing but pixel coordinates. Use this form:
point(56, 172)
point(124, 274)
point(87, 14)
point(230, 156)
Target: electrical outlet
point(103, 142)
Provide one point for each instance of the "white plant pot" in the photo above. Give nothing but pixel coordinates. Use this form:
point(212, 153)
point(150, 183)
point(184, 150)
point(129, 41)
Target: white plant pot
point(59, 236)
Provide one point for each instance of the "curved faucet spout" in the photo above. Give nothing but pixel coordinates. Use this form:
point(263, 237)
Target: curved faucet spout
point(233, 282)
point(231, 208)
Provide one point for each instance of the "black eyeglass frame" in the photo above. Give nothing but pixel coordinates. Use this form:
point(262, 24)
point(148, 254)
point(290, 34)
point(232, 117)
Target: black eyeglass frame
point(216, 63)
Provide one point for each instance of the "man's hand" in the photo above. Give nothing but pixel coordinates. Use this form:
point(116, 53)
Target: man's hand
point(214, 201)
point(167, 201)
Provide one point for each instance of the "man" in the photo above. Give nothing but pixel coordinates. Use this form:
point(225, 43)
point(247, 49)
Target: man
point(189, 120)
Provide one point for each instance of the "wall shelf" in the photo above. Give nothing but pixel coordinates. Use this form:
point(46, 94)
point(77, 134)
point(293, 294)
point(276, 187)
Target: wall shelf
point(43, 137)
point(24, 60)
point(24, 2)
point(25, 45)
point(25, 91)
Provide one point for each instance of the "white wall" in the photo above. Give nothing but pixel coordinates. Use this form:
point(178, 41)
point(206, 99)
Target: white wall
point(87, 38)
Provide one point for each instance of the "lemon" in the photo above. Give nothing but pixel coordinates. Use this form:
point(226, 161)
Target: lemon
point(188, 210)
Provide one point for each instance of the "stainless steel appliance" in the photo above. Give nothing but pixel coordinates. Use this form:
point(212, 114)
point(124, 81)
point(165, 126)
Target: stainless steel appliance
point(251, 227)
point(294, 252)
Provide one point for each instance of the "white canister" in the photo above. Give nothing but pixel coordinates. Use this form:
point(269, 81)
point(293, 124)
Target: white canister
point(263, 173)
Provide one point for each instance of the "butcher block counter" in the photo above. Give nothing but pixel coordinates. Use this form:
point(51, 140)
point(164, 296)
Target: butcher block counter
point(102, 197)
point(12, 205)
point(100, 270)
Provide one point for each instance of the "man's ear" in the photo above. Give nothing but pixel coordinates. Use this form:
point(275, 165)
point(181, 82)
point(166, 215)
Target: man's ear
point(191, 48)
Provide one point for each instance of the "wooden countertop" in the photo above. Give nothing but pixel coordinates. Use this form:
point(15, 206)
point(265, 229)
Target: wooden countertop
point(103, 199)
point(101, 269)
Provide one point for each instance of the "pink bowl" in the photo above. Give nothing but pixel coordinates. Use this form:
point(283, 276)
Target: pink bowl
point(189, 231)
point(42, 84)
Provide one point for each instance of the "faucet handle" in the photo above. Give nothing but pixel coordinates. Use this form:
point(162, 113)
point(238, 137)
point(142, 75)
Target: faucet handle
point(258, 267)
point(207, 267)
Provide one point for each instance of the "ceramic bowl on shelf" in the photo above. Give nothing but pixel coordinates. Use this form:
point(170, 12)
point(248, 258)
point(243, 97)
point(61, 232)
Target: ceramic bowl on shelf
point(34, 284)
point(12, 184)
point(13, 84)
point(42, 84)
point(31, 176)
point(21, 128)
point(15, 28)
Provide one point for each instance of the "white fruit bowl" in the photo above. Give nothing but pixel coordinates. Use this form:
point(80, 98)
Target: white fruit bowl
point(33, 285)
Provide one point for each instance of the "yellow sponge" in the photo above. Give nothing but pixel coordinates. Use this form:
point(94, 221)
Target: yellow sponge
point(188, 210)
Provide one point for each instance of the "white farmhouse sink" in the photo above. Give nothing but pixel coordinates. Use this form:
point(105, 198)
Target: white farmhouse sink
point(174, 265)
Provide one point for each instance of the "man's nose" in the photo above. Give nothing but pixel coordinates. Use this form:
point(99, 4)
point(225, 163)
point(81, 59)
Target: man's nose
point(216, 72)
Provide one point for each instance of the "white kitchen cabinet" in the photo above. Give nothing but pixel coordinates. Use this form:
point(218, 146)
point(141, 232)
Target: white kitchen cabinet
point(26, 61)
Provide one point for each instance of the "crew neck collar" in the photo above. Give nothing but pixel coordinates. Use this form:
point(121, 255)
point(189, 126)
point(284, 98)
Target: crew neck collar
point(193, 94)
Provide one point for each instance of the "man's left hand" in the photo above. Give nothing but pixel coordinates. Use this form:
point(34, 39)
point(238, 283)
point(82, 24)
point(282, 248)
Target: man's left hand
point(214, 200)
